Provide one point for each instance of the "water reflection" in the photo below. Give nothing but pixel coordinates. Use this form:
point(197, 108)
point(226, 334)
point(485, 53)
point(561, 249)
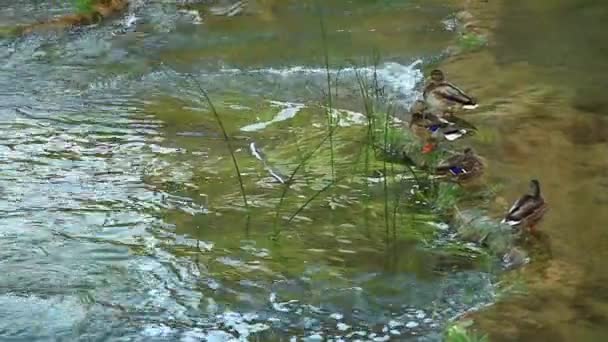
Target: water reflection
point(547, 119)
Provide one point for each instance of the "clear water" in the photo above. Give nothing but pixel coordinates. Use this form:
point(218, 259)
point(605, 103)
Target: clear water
point(120, 215)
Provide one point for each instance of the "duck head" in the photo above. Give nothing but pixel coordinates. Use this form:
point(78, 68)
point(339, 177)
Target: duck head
point(416, 117)
point(418, 107)
point(437, 76)
point(535, 188)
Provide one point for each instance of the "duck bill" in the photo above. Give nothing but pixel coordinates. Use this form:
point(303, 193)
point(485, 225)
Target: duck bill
point(428, 148)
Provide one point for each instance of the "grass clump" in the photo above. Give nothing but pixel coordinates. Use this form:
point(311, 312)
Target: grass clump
point(83, 6)
point(471, 41)
point(457, 333)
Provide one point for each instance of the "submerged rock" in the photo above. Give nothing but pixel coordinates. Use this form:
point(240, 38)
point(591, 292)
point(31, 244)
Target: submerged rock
point(499, 239)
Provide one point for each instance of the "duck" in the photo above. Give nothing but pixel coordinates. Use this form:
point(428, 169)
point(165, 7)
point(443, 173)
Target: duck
point(430, 127)
point(462, 166)
point(441, 95)
point(528, 210)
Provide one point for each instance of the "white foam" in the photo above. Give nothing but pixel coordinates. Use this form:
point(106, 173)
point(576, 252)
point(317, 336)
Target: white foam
point(281, 307)
point(342, 326)
point(402, 78)
point(389, 68)
point(130, 20)
point(237, 322)
point(289, 110)
point(411, 325)
point(399, 79)
point(395, 76)
point(337, 316)
point(347, 117)
point(254, 151)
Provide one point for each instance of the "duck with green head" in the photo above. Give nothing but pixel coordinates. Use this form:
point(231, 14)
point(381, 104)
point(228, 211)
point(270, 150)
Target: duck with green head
point(431, 128)
point(462, 166)
point(443, 96)
point(528, 210)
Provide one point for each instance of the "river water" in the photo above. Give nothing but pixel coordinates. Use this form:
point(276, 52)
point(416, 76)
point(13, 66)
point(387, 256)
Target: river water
point(120, 215)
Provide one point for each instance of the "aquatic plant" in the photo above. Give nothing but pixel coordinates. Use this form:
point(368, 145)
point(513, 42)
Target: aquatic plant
point(83, 6)
point(328, 97)
point(471, 41)
point(289, 181)
point(6, 32)
point(444, 196)
point(220, 123)
point(457, 333)
point(332, 125)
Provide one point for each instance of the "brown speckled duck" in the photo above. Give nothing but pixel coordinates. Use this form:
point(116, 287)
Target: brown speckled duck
point(442, 96)
point(430, 128)
point(463, 166)
point(528, 210)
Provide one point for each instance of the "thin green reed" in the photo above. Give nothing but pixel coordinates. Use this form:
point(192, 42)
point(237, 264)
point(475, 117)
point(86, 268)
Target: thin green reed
point(326, 187)
point(227, 139)
point(292, 176)
point(385, 131)
point(329, 111)
point(387, 120)
point(363, 89)
point(398, 193)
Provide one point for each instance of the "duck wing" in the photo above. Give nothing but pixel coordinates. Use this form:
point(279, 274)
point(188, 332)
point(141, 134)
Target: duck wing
point(433, 122)
point(461, 123)
point(523, 207)
point(453, 93)
point(454, 165)
point(454, 128)
point(453, 133)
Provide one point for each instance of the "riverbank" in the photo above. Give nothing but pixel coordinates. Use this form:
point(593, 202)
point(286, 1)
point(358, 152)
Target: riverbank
point(95, 12)
point(533, 125)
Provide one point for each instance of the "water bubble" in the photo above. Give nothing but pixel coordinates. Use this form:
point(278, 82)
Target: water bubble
point(411, 325)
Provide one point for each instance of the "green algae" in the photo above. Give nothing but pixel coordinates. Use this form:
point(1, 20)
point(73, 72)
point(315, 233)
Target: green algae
point(83, 6)
point(470, 41)
point(460, 333)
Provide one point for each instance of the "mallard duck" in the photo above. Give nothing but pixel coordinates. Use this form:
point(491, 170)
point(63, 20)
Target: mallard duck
point(462, 166)
point(528, 210)
point(441, 95)
point(431, 128)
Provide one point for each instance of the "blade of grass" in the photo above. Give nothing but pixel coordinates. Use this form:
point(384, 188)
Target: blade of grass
point(227, 139)
point(325, 188)
point(289, 181)
point(329, 111)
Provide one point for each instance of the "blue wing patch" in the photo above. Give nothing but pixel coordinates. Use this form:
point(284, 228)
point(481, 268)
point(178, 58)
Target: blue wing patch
point(434, 128)
point(455, 170)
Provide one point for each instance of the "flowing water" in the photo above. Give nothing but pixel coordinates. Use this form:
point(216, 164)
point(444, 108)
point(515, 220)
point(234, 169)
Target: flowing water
point(121, 216)
point(120, 212)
